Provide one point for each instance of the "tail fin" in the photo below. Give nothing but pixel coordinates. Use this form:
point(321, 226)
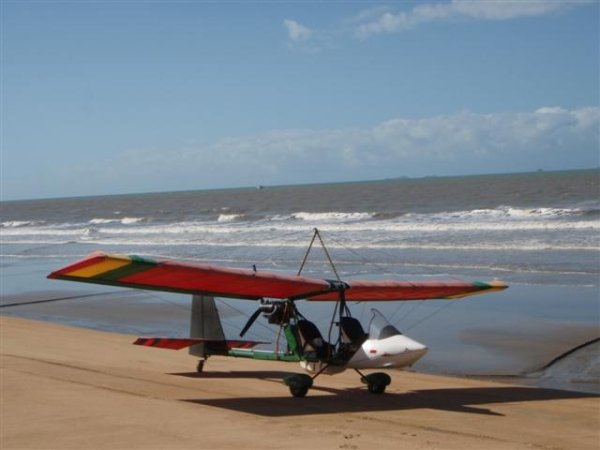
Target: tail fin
point(205, 323)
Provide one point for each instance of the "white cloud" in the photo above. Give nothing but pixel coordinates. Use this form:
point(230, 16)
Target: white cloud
point(366, 23)
point(297, 32)
point(503, 10)
point(551, 138)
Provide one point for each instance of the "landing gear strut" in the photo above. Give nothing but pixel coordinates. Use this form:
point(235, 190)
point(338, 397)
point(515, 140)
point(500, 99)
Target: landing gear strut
point(200, 366)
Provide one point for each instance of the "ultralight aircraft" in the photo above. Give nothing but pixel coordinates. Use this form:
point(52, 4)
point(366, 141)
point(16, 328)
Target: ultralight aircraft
point(382, 347)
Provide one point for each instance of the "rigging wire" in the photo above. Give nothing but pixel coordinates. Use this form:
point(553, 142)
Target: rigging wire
point(162, 299)
point(69, 297)
point(401, 305)
point(332, 237)
point(226, 321)
point(316, 234)
point(409, 312)
point(429, 316)
point(271, 257)
point(361, 257)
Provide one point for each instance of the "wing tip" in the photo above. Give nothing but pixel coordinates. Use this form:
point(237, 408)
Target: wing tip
point(89, 259)
point(497, 285)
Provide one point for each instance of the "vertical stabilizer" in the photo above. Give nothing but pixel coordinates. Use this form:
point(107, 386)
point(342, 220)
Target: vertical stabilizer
point(204, 323)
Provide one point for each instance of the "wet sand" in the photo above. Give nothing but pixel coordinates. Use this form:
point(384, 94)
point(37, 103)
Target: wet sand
point(65, 387)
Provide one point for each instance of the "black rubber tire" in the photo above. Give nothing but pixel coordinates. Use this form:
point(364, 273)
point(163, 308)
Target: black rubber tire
point(299, 391)
point(299, 384)
point(376, 388)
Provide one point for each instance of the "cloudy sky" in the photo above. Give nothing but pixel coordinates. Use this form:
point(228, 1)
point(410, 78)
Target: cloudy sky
point(116, 97)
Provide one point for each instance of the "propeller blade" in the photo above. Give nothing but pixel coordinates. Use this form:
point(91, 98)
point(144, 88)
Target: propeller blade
point(251, 320)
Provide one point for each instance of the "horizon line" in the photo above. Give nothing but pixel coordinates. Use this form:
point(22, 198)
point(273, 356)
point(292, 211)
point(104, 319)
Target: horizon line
point(267, 186)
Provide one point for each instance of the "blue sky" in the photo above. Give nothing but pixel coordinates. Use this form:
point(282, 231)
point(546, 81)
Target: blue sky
point(116, 97)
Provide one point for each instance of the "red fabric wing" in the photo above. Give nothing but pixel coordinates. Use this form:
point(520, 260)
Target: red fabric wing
point(404, 290)
point(172, 276)
point(224, 282)
point(145, 273)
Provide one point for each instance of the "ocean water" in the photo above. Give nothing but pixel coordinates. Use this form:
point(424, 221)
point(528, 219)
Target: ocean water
point(539, 232)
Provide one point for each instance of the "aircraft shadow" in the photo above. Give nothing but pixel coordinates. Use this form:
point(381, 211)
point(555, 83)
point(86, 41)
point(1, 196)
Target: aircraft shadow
point(261, 374)
point(463, 400)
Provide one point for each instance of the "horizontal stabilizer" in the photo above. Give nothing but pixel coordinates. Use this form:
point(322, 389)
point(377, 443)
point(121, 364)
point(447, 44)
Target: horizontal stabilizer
point(179, 343)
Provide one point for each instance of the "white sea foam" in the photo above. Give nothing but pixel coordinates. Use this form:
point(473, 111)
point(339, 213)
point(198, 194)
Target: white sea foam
point(271, 241)
point(42, 231)
point(124, 221)
point(332, 216)
point(103, 221)
point(131, 220)
point(229, 217)
point(18, 223)
point(394, 226)
point(503, 213)
point(503, 228)
point(89, 234)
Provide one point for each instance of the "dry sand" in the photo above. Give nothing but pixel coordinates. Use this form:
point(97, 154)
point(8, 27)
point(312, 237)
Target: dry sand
point(66, 387)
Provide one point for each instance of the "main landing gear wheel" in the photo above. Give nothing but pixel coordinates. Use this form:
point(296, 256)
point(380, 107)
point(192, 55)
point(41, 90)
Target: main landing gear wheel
point(200, 366)
point(299, 384)
point(377, 382)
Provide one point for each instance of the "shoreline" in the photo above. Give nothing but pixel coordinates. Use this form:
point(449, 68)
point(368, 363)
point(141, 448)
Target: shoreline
point(66, 387)
point(137, 312)
point(531, 378)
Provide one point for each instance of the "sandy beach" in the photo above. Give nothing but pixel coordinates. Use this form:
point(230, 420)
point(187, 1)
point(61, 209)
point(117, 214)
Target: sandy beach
point(65, 387)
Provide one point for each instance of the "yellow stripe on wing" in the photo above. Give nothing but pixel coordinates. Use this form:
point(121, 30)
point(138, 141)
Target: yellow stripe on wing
point(112, 262)
point(494, 286)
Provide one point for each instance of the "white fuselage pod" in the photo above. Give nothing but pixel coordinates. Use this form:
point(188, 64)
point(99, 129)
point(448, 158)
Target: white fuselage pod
point(392, 352)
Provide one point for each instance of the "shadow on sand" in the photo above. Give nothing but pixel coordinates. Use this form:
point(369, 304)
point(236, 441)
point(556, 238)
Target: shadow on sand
point(359, 400)
point(253, 374)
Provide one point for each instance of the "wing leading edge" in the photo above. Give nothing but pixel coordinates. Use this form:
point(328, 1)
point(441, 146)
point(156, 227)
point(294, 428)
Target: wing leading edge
point(386, 290)
point(183, 277)
point(200, 279)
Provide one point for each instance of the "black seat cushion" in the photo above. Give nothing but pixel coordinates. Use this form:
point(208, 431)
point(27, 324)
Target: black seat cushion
point(352, 331)
point(311, 340)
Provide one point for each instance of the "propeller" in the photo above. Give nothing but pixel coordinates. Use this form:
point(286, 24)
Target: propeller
point(274, 311)
point(251, 320)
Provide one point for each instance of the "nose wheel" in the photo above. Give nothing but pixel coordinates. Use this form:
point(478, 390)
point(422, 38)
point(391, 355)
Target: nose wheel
point(376, 382)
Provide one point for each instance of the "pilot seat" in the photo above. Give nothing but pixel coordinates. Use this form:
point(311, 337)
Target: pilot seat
point(353, 335)
point(312, 343)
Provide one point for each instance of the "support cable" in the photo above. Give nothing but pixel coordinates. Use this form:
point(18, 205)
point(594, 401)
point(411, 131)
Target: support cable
point(318, 235)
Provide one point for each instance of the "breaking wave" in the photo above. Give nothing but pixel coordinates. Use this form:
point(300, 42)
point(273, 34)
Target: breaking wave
point(332, 216)
point(19, 223)
point(229, 217)
point(123, 221)
point(504, 228)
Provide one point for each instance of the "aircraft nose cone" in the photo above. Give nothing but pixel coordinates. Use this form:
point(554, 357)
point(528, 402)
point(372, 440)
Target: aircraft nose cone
point(415, 346)
point(416, 350)
point(419, 352)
